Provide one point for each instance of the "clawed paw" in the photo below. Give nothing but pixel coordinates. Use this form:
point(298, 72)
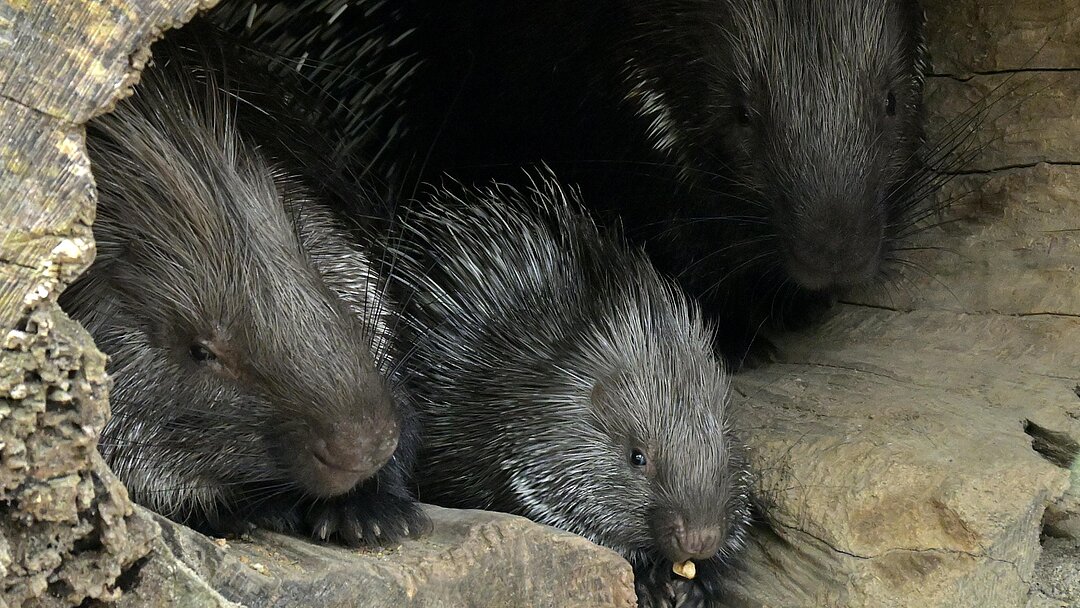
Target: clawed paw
point(673, 593)
point(360, 519)
point(687, 594)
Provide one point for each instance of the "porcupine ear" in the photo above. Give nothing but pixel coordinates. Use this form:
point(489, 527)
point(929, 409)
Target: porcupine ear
point(600, 399)
point(599, 395)
point(604, 401)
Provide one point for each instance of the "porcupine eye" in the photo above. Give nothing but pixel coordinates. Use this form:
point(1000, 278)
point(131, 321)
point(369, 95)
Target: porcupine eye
point(890, 104)
point(742, 114)
point(637, 458)
point(201, 354)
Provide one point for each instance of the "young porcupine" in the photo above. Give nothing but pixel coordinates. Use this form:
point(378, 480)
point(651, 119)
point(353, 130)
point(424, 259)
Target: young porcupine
point(561, 378)
point(248, 332)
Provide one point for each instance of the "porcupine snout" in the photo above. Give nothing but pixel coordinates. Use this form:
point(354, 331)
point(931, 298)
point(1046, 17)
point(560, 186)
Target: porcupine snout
point(835, 244)
point(681, 539)
point(346, 453)
point(345, 434)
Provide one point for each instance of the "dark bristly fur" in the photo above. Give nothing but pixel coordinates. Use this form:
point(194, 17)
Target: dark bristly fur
point(356, 51)
point(544, 352)
point(764, 150)
point(809, 111)
point(245, 327)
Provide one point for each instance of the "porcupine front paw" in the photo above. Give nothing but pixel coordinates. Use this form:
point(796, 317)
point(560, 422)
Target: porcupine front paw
point(760, 353)
point(688, 594)
point(659, 588)
point(804, 310)
point(364, 517)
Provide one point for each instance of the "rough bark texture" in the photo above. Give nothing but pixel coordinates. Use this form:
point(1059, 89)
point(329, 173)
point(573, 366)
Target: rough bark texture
point(67, 529)
point(910, 448)
point(1057, 580)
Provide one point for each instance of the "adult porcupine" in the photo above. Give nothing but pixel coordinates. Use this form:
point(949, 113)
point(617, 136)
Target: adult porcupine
point(248, 333)
point(561, 378)
point(765, 150)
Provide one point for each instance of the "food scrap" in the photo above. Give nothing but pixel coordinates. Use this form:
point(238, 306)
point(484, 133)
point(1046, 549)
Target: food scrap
point(685, 569)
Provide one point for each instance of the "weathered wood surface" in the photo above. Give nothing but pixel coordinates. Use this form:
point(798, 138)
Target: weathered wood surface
point(67, 529)
point(470, 558)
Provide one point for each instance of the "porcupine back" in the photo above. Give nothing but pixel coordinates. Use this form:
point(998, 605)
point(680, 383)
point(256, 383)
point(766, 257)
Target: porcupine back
point(765, 151)
point(357, 52)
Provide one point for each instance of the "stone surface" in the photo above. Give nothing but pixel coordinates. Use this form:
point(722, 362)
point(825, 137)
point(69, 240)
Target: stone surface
point(910, 447)
point(68, 533)
point(973, 36)
point(471, 558)
point(1057, 583)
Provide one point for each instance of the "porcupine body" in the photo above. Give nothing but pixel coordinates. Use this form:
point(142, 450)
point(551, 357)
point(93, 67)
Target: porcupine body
point(248, 330)
point(766, 152)
point(560, 377)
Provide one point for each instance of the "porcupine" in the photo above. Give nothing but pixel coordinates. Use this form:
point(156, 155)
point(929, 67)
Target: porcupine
point(560, 377)
point(765, 151)
point(248, 331)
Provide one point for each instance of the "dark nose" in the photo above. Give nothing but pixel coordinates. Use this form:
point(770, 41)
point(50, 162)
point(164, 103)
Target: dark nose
point(698, 543)
point(834, 252)
point(346, 453)
point(681, 541)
